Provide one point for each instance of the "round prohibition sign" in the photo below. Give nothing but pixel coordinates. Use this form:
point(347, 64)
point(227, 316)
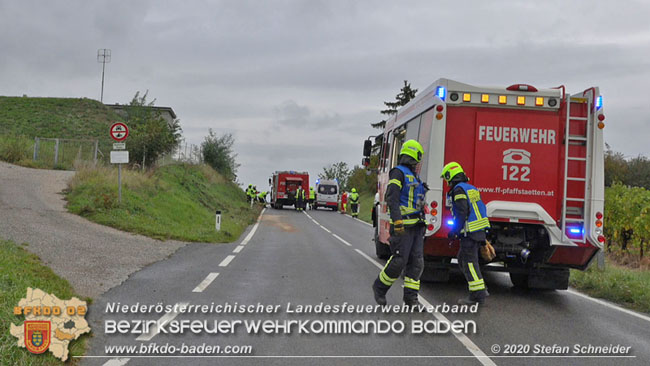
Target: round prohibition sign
point(119, 131)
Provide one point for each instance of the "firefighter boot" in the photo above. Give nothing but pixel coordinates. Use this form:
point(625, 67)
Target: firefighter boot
point(475, 297)
point(380, 290)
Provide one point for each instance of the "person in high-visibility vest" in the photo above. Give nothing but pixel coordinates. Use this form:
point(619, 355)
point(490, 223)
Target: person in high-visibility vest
point(312, 197)
point(470, 223)
point(405, 196)
point(344, 202)
point(249, 194)
point(261, 198)
point(300, 198)
point(354, 203)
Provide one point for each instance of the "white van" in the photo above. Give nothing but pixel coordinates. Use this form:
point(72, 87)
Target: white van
point(327, 194)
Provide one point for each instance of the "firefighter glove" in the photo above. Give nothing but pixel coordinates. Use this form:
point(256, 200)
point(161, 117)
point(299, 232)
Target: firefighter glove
point(398, 227)
point(487, 251)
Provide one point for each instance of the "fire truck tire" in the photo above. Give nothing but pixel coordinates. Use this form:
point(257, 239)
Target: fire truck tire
point(382, 250)
point(519, 280)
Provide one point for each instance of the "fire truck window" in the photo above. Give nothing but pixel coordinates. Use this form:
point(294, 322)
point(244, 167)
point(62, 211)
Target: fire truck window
point(397, 146)
point(413, 129)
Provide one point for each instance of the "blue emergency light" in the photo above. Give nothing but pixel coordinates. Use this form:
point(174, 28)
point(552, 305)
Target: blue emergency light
point(450, 222)
point(441, 92)
point(599, 102)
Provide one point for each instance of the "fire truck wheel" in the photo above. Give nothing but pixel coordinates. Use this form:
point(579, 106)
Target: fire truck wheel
point(519, 280)
point(382, 250)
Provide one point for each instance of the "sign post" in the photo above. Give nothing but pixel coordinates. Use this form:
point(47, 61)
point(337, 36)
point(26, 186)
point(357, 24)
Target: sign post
point(119, 132)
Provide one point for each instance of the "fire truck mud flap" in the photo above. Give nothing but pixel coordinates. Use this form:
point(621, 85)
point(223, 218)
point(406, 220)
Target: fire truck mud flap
point(542, 279)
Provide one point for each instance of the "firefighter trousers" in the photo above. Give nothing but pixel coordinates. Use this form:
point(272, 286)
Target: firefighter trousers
point(468, 263)
point(354, 207)
point(408, 256)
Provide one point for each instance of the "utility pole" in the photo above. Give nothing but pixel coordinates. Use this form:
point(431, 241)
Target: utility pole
point(103, 56)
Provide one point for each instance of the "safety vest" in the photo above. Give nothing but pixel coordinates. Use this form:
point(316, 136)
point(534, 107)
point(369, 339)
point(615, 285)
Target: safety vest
point(411, 199)
point(354, 197)
point(262, 195)
point(312, 193)
point(300, 193)
point(477, 219)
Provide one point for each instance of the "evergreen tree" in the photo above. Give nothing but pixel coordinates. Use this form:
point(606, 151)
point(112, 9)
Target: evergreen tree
point(401, 99)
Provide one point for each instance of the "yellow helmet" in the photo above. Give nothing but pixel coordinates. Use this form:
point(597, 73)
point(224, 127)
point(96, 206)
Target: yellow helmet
point(450, 170)
point(354, 190)
point(413, 149)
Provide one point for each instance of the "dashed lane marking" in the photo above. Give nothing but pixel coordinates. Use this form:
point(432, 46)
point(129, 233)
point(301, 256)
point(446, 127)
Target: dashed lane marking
point(238, 249)
point(117, 362)
point(342, 240)
point(161, 322)
point(206, 282)
point(226, 261)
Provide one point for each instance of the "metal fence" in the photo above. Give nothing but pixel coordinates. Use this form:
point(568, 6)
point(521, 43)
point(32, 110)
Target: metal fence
point(184, 152)
point(62, 153)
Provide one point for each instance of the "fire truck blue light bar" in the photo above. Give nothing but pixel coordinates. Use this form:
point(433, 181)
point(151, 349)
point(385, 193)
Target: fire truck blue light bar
point(599, 102)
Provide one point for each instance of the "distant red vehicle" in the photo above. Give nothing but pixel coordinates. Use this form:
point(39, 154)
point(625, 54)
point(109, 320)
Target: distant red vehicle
point(536, 156)
point(284, 185)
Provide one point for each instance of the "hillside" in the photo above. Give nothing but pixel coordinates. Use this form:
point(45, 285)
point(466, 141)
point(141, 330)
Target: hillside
point(55, 117)
point(173, 202)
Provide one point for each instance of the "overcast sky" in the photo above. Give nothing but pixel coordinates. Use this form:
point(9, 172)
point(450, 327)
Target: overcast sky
point(299, 82)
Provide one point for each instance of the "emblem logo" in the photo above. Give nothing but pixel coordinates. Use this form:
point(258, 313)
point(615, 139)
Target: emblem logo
point(37, 335)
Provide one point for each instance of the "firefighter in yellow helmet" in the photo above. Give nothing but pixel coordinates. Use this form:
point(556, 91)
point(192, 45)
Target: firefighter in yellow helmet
point(354, 203)
point(405, 199)
point(470, 223)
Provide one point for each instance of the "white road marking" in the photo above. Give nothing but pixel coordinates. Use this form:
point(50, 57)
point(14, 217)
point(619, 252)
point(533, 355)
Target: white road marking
point(370, 259)
point(238, 249)
point(254, 229)
point(117, 362)
point(609, 305)
point(469, 345)
point(153, 331)
point(226, 261)
point(342, 240)
point(206, 282)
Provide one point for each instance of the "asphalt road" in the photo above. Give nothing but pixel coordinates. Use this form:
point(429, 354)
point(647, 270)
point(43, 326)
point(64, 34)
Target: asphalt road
point(325, 257)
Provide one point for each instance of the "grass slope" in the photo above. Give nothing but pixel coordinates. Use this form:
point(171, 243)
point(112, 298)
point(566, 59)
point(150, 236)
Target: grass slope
point(55, 117)
point(172, 202)
point(20, 269)
point(625, 286)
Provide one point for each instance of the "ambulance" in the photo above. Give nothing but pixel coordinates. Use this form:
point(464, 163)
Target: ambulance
point(535, 154)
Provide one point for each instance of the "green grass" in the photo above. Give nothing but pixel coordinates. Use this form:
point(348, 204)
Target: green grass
point(625, 286)
point(20, 269)
point(23, 118)
point(172, 202)
point(366, 200)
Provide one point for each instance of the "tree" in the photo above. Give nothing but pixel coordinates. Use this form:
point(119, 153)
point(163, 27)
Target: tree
point(401, 99)
point(338, 171)
point(616, 167)
point(150, 135)
point(217, 152)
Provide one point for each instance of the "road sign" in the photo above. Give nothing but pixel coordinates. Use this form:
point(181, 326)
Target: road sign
point(119, 157)
point(119, 131)
point(119, 146)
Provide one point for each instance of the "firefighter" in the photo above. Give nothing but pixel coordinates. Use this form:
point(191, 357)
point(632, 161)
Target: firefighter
point(248, 192)
point(344, 202)
point(312, 197)
point(405, 200)
point(354, 203)
point(261, 198)
point(300, 198)
point(470, 223)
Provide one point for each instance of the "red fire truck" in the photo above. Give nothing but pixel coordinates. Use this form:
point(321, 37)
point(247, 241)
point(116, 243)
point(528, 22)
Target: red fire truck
point(284, 185)
point(536, 156)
